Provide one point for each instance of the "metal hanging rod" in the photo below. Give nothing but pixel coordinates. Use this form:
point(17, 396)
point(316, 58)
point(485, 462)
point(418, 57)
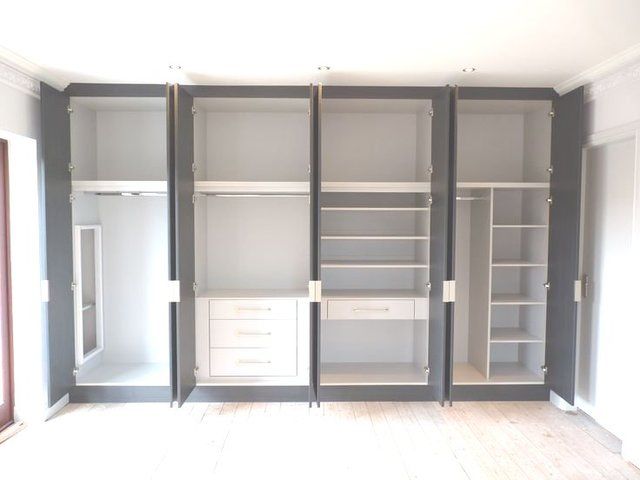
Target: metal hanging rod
point(470, 198)
point(254, 195)
point(129, 194)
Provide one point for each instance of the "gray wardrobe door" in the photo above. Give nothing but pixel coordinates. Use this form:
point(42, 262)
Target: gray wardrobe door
point(182, 244)
point(564, 237)
point(315, 269)
point(441, 244)
point(56, 151)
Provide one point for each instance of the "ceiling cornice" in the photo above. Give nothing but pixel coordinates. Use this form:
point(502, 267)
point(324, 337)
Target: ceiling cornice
point(24, 75)
point(611, 73)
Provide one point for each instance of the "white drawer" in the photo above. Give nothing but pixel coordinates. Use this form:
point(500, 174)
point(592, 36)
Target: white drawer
point(370, 309)
point(252, 333)
point(252, 362)
point(252, 309)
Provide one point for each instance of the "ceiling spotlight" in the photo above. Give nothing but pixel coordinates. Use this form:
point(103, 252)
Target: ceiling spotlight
point(324, 68)
point(469, 69)
point(175, 67)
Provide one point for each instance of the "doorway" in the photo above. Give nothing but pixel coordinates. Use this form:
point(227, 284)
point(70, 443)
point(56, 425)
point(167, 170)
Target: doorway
point(6, 367)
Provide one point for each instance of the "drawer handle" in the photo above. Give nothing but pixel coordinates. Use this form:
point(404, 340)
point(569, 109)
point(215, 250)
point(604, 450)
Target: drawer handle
point(246, 362)
point(247, 333)
point(254, 309)
point(370, 309)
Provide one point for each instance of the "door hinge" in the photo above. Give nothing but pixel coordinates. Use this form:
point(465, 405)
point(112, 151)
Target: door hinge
point(544, 369)
point(72, 197)
point(74, 372)
point(431, 113)
point(71, 167)
point(69, 109)
point(315, 291)
point(552, 113)
point(550, 169)
point(193, 198)
point(194, 167)
point(308, 112)
point(429, 200)
point(195, 286)
point(427, 370)
point(449, 291)
point(173, 291)
point(73, 286)
point(428, 285)
point(195, 371)
point(430, 169)
point(193, 110)
point(547, 285)
point(550, 200)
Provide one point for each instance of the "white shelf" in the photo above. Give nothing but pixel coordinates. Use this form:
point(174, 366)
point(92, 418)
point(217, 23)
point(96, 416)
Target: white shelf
point(374, 237)
point(376, 187)
point(372, 374)
point(512, 335)
point(500, 373)
point(517, 263)
point(119, 186)
point(379, 294)
point(518, 226)
point(375, 209)
point(505, 185)
point(513, 299)
point(373, 264)
point(129, 374)
point(256, 293)
point(239, 188)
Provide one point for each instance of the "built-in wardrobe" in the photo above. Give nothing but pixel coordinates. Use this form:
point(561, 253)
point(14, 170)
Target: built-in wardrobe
point(310, 243)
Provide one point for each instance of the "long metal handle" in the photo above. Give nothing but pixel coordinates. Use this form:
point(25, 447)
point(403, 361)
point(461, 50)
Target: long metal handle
point(242, 361)
point(371, 309)
point(254, 309)
point(240, 332)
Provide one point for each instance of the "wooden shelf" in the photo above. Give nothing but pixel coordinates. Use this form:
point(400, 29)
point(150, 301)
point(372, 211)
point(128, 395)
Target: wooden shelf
point(373, 264)
point(368, 294)
point(505, 185)
point(247, 188)
point(376, 187)
point(375, 209)
point(517, 263)
point(512, 335)
point(500, 373)
point(119, 186)
point(513, 299)
point(372, 374)
point(374, 237)
point(513, 225)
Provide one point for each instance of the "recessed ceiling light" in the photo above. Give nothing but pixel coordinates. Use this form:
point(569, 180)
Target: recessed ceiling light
point(175, 67)
point(324, 68)
point(469, 69)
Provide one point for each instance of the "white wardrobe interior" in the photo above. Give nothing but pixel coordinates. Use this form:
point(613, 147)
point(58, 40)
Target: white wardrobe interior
point(375, 240)
point(503, 157)
point(119, 166)
point(252, 206)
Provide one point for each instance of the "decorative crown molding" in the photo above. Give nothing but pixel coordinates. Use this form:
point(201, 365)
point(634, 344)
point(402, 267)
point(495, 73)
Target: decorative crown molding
point(18, 80)
point(613, 72)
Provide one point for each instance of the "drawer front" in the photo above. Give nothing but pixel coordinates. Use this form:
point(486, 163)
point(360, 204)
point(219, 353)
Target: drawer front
point(370, 309)
point(252, 309)
point(252, 362)
point(252, 333)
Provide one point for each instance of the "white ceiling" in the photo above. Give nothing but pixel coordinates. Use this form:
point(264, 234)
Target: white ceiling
point(511, 42)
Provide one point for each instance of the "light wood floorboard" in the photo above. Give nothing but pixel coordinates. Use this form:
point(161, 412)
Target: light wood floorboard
point(360, 440)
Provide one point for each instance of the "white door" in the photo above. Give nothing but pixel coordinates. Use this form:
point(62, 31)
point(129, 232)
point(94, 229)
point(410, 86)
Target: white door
point(609, 309)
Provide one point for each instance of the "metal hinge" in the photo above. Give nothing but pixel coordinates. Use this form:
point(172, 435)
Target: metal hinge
point(550, 169)
point(550, 200)
point(193, 198)
point(544, 369)
point(428, 285)
point(195, 371)
point(74, 372)
point(430, 201)
point(73, 286)
point(431, 113)
point(430, 170)
point(72, 197)
point(552, 113)
point(427, 370)
point(547, 285)
point(193, 110)
point(449, 291)
point(70, 167)
point(194, 167)
point(315, 291)
point(69, 109)
point(195, 286)
point(309, 169)
point(308, 112)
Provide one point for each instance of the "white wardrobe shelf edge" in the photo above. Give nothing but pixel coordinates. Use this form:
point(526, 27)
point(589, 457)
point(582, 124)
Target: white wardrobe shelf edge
point(505, 185)
point(371, 294)
point(374, 237)
point(513, 335)
point(119, 186)
point(373, 264)
point(237, 187)
point(375, 209)
point(514, 299)
point(376, 187)
point(248, 294)
point(500, 373)
point(372, 374)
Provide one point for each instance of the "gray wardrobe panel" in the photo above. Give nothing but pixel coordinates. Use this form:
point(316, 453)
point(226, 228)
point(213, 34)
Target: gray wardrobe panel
point(499, 393)
point(564, 239)
point(381, 92)
point(315, 105)
point(119, 394)
point(505, 93)
point(182, 244)
point(248, 393)
point(377, 393)
point(440, 248)
point(56, 151)
point(247, 91)
point(115, 90)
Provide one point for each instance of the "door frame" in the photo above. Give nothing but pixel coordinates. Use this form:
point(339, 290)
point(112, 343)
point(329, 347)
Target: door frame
point(6, 363)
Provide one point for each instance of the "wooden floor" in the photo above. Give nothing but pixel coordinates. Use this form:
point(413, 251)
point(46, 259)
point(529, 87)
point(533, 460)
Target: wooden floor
point(390, 441)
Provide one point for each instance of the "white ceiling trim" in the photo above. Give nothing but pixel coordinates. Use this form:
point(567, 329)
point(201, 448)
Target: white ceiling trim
point(605, 73)
point(15, 70)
